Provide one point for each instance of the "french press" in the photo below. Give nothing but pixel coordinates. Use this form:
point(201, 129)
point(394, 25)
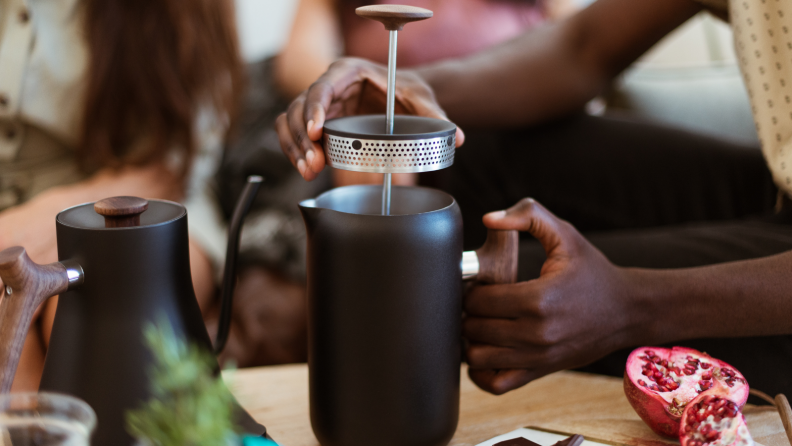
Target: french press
point(124, 261)
point(385, 270)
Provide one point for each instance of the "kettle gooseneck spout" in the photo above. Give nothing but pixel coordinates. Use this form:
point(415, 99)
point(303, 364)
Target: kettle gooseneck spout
point(244, 203)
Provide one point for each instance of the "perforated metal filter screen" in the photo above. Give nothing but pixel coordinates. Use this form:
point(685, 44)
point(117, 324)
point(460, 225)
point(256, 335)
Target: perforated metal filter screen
point(389, 156)
point(418, 144)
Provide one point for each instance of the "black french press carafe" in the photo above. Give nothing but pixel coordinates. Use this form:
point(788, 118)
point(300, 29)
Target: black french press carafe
point(124, 261)
point(385, 271)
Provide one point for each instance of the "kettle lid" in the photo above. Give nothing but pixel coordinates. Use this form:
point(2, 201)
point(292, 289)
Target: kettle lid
point(121, 213)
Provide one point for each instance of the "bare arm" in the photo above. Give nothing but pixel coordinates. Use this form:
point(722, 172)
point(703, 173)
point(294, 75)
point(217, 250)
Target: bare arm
point(555, 69)
point(543, 74)
point(314, 43)
point(746, 298)
point(583, 307)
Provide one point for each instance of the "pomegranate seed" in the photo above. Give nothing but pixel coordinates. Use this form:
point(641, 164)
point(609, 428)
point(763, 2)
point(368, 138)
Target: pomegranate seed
point(688, 428)
point(641, 382)
point(705, 365)
point(730, 383)
point(705, 430)
point(649, 352)
point(706, 375)
point(645, 372)
point(689, 372)
point(705, 384)
point(664, 363)
point(658, 375)
point(656, 360)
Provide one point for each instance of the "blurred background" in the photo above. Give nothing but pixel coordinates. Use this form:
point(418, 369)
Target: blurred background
point(690, 79)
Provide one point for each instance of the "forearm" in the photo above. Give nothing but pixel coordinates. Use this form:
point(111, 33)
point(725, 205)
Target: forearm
point(314, 42)
point(745, 298)
point(151, 181)
point(555, 69)
point(528, 80)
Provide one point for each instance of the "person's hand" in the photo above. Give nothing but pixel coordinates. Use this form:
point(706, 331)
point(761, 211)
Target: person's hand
point(576, 311)
point(349, 87)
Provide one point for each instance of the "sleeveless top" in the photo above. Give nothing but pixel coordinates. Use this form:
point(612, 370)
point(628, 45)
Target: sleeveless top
point(459, 27)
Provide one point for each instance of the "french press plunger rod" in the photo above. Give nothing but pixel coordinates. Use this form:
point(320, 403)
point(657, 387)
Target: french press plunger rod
point(381, 153)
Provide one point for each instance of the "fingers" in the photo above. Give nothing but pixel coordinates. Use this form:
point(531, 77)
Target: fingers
point(501, 332)
point(530, 216)
point(502, 300)
point(499, 382)
point(483, 356)
point(423, 103)
point(304, 154)
point(460, 137)
point(317, 101)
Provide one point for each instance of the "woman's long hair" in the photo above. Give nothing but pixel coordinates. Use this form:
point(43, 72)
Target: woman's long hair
point(153, 65)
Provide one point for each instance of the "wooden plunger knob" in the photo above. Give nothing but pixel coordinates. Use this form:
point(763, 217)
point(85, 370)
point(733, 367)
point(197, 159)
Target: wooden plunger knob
point(394, 17)
point(121, 212)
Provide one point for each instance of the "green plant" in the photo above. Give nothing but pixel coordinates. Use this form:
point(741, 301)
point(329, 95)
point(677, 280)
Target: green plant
point(190, 405)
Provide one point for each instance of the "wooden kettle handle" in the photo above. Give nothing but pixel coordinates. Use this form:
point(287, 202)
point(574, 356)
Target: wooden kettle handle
point(394, 17)
point(26, 285)
point(498, 257)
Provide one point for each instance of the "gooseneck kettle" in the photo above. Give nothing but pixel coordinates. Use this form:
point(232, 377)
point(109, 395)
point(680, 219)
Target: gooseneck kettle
point(124, 261)
point(385, 272)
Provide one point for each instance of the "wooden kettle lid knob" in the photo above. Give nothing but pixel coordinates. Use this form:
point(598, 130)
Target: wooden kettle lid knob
point(121, 212)
point(394, 17)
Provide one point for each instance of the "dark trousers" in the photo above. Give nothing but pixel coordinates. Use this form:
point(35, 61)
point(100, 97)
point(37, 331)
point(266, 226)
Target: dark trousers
point(646, 196)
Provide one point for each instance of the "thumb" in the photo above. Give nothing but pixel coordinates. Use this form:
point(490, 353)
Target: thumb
point(528, 215)
point(499, 382)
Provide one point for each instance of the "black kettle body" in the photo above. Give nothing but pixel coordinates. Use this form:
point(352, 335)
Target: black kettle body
point(385, 305)
point(118, 271)
point(132, 275)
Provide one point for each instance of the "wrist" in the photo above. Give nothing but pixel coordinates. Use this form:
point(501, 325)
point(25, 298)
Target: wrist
point(650, 297)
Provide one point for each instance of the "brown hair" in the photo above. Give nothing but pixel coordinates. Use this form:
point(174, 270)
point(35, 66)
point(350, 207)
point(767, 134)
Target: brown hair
point(153, 65)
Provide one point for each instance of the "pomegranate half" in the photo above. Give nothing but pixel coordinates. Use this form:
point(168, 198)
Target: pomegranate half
point(713, 421)
point(660, 382)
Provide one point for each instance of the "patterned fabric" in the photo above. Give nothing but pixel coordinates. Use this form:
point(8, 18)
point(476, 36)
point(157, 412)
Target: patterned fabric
point(716, 5)
point(763, 41)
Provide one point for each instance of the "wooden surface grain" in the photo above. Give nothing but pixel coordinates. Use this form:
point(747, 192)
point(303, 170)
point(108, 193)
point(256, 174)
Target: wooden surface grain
point(121, 212)
point(26, 285)
point(566, 402)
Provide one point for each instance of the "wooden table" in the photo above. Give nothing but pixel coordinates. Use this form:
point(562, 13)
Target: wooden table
point(565, 402)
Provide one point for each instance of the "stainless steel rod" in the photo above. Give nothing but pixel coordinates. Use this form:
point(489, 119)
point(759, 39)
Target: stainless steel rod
point(389, 112)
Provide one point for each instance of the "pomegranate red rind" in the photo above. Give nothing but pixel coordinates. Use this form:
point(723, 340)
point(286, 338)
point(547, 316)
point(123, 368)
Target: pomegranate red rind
point(713, 420)
point(660, 382)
